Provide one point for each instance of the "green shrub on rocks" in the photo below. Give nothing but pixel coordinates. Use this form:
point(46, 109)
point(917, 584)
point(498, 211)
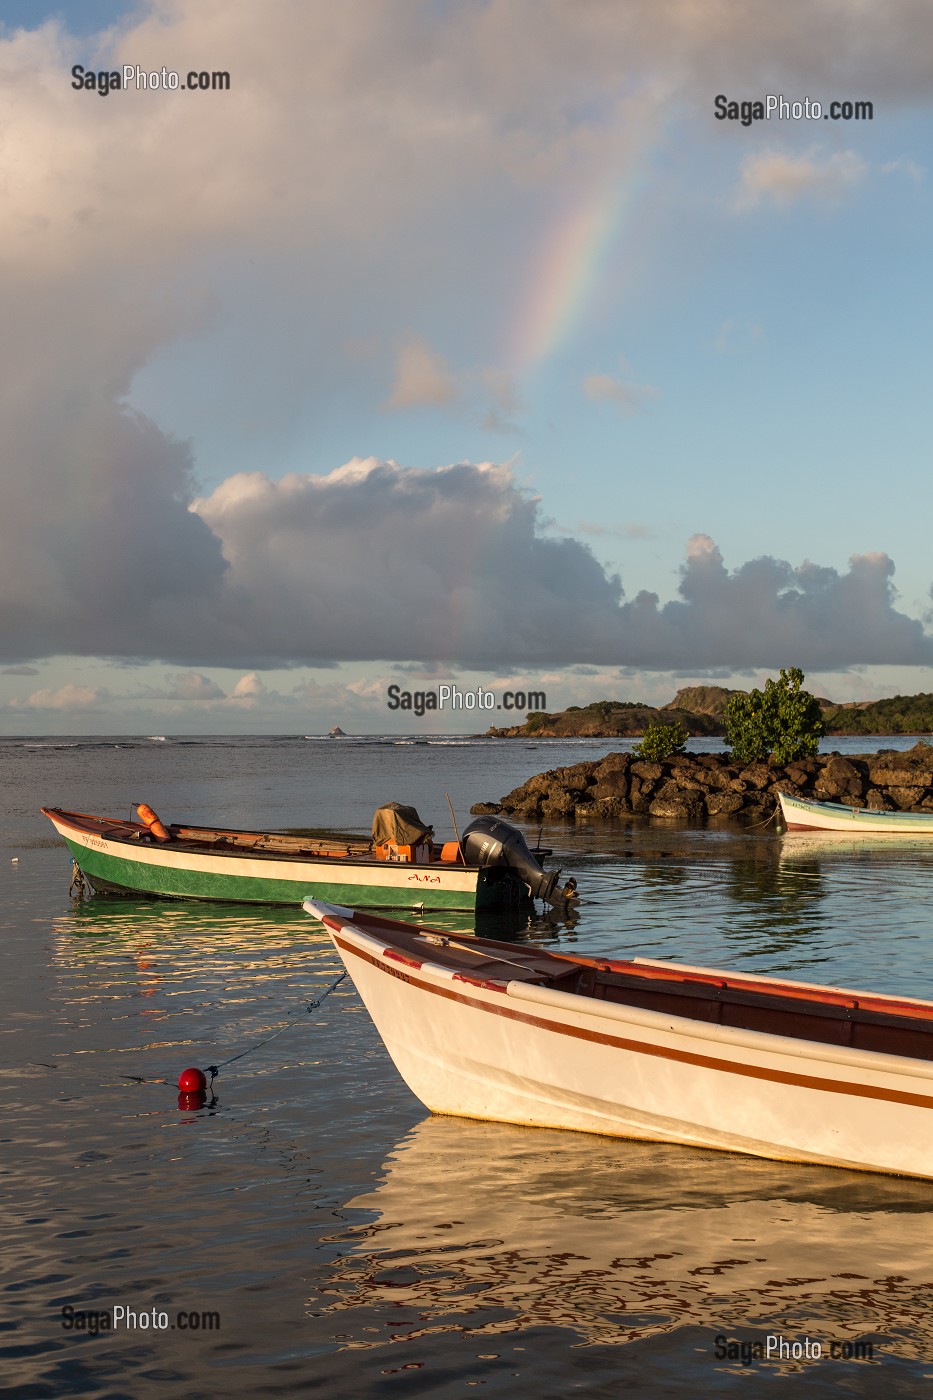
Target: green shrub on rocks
point(661, 741)
point(783, 720)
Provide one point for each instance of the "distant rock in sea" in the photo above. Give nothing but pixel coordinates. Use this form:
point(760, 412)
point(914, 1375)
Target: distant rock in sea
point(337, 733)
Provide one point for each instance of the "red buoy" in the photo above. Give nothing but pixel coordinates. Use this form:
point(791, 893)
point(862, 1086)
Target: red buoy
point(192, 1081)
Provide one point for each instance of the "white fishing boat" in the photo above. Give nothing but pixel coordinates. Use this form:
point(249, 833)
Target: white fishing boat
point(643, 1049)
point(806, 814)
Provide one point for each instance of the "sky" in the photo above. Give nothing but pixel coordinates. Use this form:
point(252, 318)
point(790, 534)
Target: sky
point(460, 344)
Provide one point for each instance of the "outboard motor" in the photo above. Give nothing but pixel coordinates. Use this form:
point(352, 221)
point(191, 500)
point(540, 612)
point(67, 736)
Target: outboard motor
point(491, 841)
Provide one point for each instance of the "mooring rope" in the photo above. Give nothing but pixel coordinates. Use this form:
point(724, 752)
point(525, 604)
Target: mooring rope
point(214, 1070)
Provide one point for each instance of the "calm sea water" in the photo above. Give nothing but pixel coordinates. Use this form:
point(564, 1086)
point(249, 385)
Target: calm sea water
point(350, 1243)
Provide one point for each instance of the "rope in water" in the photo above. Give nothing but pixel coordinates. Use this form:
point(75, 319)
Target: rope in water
point(214, 1070)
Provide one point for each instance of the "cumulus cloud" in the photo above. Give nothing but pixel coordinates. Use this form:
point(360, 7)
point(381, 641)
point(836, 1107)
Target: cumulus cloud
point(66, 697)
point(766, 609)
point(422, 377)
point(630, 398)
point(361, 157)
point(249, 688)
point(376, 561)
point(783, 179)
point(903, 165)
point(191, 685)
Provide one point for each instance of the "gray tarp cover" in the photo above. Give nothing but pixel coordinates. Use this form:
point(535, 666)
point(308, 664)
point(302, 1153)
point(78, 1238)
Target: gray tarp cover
point(400, 824)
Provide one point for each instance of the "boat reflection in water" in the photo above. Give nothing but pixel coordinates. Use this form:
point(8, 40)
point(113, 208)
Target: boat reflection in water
point(194, 923)
point(488, 1228)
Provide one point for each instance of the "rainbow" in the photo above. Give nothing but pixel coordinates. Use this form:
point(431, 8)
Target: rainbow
point(564, 273)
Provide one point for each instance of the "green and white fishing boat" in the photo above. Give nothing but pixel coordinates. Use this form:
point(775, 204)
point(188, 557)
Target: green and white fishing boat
point(807, 814)
point(401, 867)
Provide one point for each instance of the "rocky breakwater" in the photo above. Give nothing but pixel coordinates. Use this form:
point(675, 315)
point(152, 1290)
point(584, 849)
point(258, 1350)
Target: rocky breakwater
point(697, 787)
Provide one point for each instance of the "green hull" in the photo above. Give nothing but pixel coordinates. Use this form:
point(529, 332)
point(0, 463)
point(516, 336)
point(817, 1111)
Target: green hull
point(110, 873)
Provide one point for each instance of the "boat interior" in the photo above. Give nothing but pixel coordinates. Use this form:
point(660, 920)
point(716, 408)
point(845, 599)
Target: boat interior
point(282, 845)
point(885, 1025)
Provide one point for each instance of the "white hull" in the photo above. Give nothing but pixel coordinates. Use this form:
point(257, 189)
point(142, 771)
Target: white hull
point(528, 1054)
point(801, 814)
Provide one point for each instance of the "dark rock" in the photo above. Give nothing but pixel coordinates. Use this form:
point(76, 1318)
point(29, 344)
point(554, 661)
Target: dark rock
point(892, 770)
point(724, 804)
point(574, 779)
point(711, 778)
point(613, 763)
point(839, 779)
point(559, 804)
point(607, 807)
point(612, 784)
point(757, 775)
point(647, 771)
point(689, 786)
point(639, 800)
point(670, 807)
point(686, 782)
point(906, 797)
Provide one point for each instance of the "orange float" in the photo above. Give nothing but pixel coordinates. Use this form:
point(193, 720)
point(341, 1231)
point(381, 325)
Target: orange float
point(151, 819)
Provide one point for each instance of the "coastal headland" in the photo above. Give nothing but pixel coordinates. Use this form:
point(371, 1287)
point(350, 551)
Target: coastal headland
point(701, 709)
point(701, 787)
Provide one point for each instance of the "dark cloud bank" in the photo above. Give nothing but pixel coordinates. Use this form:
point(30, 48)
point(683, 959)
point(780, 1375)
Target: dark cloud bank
point(376, 562)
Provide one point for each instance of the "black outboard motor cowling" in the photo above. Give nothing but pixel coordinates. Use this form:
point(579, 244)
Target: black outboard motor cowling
point(491, 841)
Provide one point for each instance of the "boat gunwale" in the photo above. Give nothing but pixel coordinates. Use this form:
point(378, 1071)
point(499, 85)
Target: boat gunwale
point(552, 1004)
point(821, 1004)
point(126, 834)
point(703, 980)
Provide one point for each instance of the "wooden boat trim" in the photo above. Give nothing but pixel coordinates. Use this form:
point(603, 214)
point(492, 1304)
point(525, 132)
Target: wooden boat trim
point(551, 998)
point(210, 841)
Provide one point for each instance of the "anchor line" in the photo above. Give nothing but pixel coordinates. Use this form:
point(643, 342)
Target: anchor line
point(214, 1070)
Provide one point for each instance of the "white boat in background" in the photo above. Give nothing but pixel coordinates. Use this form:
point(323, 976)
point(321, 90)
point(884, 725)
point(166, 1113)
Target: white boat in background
point(806, 814)
point(653, 1050)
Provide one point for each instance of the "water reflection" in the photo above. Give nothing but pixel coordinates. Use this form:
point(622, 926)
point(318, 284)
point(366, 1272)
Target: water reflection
point(121, 918)
point(889, 848)
point(486, 1228)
